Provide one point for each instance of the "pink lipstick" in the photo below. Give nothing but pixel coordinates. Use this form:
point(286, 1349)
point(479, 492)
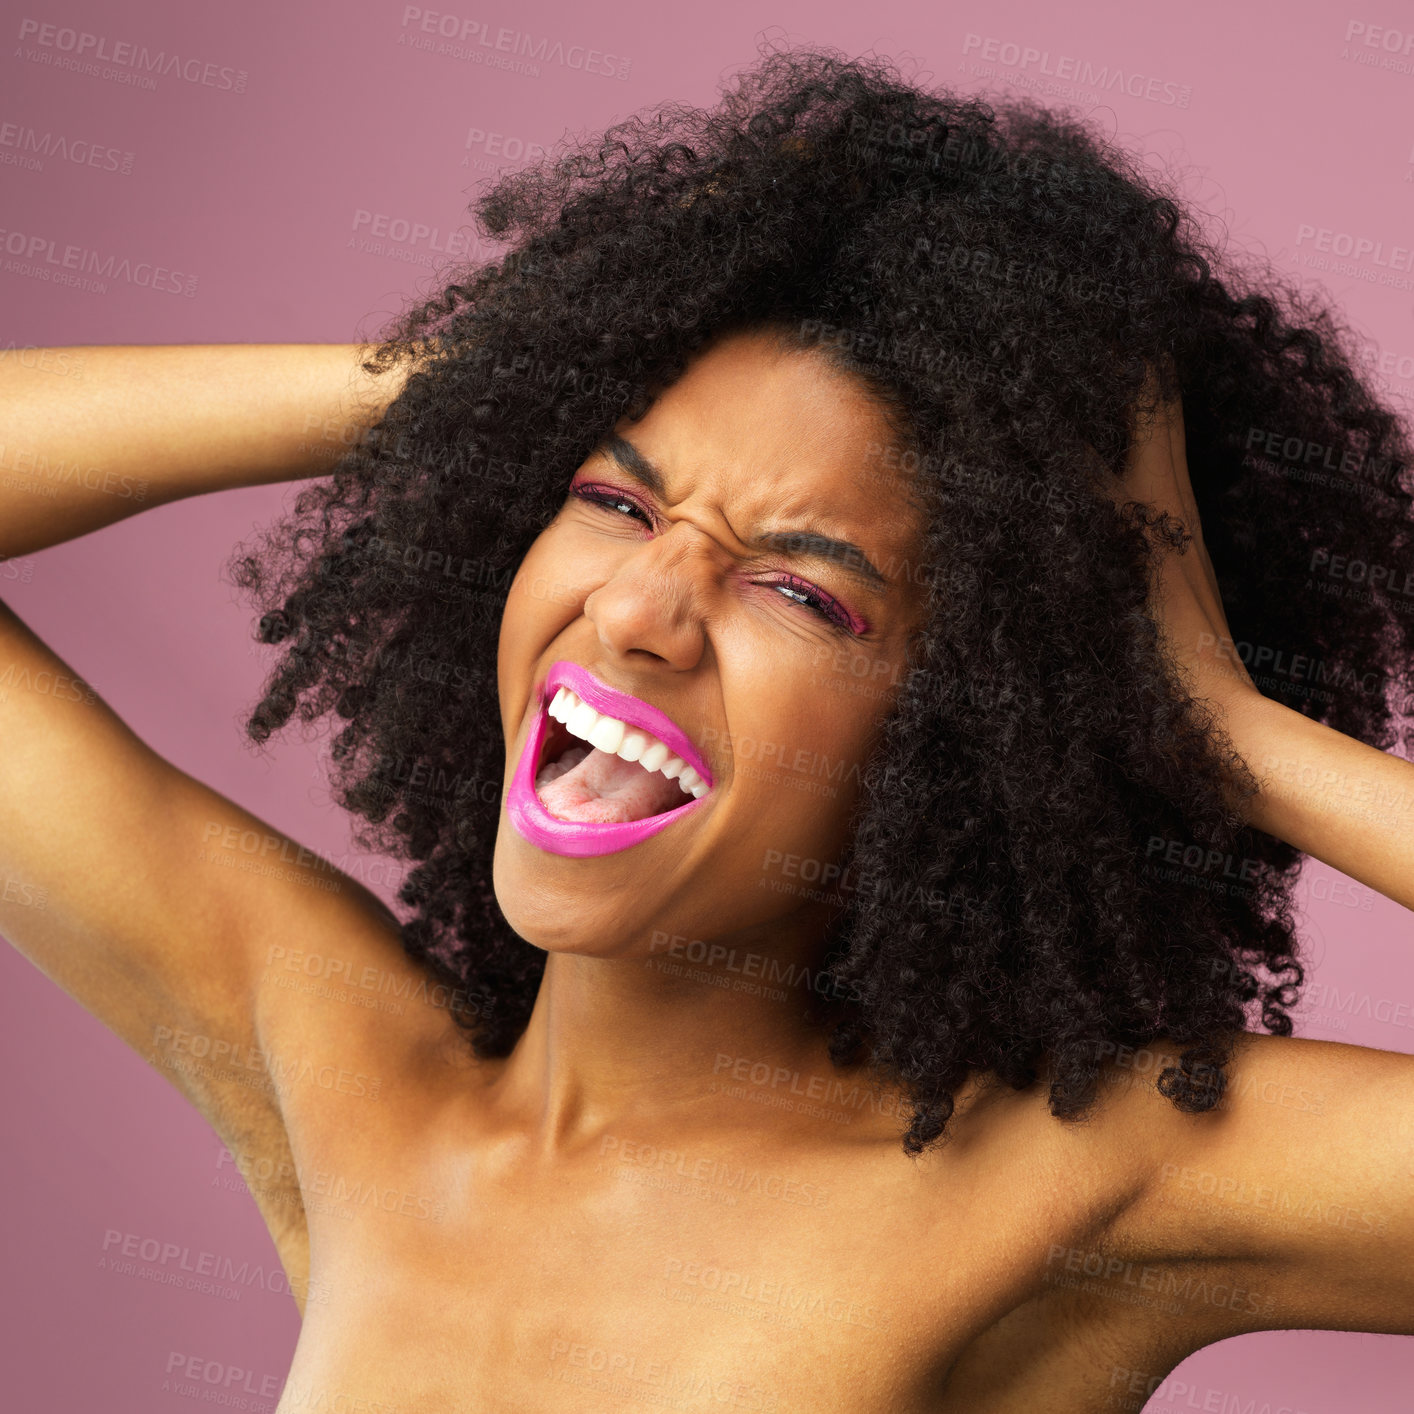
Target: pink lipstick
point(573, 837)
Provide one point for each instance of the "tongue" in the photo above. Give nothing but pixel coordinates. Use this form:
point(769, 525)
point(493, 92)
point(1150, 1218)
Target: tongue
point(598, 787)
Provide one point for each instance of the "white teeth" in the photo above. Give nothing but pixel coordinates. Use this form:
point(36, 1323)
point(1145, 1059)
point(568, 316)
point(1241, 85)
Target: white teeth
point(629, 743)
point(581, 720)
point(634, 744)
point(607, 734)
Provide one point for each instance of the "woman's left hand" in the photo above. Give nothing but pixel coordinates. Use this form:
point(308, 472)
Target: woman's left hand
point(1185, 602)
point(1336, 798)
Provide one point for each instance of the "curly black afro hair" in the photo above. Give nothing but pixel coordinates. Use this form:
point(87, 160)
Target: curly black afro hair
point(1004, 279)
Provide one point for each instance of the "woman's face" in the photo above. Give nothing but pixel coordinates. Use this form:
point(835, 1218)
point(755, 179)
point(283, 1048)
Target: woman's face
point(776, 660)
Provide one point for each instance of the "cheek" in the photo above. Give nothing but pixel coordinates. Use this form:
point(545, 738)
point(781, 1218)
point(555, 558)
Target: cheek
point(800, 751)
point(528, 620)
point(555, 577)
point(536, 596)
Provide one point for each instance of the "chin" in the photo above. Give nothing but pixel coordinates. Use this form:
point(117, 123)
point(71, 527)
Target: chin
point(553, 909)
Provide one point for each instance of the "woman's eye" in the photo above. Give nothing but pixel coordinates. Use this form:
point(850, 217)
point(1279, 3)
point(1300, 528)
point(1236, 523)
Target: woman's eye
point(820, 604)
point(610, 499)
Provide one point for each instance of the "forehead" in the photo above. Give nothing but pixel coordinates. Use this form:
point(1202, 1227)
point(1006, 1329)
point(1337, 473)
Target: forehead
point(778, 436)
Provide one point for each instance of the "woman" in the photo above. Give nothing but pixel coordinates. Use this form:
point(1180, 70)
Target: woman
point(881, 788)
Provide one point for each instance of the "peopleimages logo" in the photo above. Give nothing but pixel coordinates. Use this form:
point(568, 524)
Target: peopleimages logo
point(40, 256)
point(402, 230)
point(62, 46)
point(481, 42)
point(25, 147)
point(1102, 79)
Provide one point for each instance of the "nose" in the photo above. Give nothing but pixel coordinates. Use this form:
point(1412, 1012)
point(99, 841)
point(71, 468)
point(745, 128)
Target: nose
point(655, 598)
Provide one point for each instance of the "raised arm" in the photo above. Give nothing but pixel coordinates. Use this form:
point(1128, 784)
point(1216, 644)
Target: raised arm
point(1344, 802)
point(154, 901)
point(146, 424)
point(1288, 1206)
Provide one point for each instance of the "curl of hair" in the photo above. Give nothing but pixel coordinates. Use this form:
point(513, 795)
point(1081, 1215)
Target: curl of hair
point(1004, 279)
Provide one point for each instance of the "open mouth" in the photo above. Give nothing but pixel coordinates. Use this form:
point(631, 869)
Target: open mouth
point(578, 780)
point(601, 770)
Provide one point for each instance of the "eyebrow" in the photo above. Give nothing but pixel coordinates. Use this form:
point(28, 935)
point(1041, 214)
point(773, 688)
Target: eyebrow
point(804, 544)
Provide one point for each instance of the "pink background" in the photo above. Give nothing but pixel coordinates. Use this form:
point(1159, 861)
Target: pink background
point(257, 195)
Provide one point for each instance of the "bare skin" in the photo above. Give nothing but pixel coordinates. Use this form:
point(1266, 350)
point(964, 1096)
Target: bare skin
point(614, 1199)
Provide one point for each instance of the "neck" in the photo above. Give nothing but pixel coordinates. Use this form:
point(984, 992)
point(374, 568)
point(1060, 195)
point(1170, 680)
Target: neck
point(670, 1038)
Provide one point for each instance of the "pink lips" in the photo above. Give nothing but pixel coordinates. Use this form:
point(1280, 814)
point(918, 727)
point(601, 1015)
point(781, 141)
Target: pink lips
point(574, 837)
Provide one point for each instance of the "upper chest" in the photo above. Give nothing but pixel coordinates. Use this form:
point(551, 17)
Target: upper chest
point(446, 1271)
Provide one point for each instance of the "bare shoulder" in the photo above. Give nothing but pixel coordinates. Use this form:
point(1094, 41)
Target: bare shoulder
point(351, 1039)
point(1135, 1152)
point(271, 989)
point(1299, 1181)
point(1275, 1090)
point(1269, 1083)
point(198, 933)
point(352, 1026)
